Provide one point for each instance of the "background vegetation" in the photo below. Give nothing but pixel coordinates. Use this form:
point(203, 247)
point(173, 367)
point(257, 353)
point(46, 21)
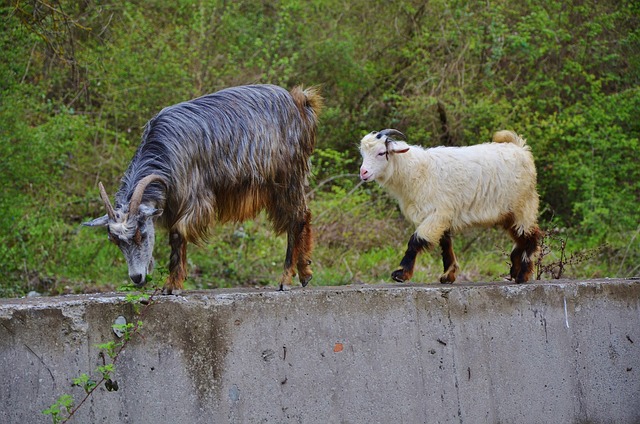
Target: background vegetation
point(78, 80)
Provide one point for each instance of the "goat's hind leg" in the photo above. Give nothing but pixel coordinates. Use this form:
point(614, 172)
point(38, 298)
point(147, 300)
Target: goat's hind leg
point(299, 245)
point(516, 261)
point(449, 260)
point(288, 272)
point(522, 254)
point(302, 250)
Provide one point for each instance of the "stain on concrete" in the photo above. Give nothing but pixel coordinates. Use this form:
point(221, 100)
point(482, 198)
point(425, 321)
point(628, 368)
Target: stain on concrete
point(204, 339)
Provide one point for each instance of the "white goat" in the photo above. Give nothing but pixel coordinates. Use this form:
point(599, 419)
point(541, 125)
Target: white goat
point(443, 190)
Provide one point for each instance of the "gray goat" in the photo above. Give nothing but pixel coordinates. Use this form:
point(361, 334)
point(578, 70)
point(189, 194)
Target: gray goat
point(221, 157)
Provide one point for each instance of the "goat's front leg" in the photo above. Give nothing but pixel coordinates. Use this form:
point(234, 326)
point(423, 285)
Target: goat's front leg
point(177, 263)
point(408, 262)
point(449, 260)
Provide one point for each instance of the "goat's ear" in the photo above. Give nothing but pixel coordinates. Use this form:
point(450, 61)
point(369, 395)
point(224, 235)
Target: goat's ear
point(149, 212)
point(98, 222)
point(403, 150)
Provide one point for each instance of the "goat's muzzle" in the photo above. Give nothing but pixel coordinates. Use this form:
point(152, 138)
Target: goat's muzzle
point(138, 279)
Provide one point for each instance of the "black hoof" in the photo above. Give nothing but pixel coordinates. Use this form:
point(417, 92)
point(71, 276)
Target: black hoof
point(305, 281)
point(398, 276)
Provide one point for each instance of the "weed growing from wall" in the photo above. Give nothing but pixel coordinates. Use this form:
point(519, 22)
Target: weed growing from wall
point(65, 407)
point(553, 259)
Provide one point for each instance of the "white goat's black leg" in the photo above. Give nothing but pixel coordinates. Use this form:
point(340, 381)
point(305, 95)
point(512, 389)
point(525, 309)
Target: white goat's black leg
point(522, 254)
point(449, 260)
point(415, 246)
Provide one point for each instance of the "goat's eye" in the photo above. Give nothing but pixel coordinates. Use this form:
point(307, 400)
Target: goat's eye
point(382, 153)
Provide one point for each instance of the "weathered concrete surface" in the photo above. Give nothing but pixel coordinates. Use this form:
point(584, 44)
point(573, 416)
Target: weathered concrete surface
point(562, 352)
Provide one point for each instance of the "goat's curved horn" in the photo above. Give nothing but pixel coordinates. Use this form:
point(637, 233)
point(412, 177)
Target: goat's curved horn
point(107, 202)
point(390, 132)
point(136, 197)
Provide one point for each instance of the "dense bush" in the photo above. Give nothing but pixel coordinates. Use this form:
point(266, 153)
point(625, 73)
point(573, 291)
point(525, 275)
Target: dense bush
point(78, 80)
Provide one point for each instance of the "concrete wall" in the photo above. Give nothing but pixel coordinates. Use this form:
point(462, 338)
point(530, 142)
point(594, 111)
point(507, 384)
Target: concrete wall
point(562, 352)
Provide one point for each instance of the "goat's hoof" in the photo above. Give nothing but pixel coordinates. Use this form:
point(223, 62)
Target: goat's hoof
point(399, 275)
point(445, 279)
point(523, 277)
point(304, 281)
point(173, 286)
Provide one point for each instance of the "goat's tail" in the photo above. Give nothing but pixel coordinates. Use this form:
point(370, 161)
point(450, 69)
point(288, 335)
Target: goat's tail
point(506, 136)
point(309, 101)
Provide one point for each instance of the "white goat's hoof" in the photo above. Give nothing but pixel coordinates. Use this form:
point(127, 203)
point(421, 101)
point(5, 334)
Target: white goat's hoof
point(399, 275)
point(304, 281)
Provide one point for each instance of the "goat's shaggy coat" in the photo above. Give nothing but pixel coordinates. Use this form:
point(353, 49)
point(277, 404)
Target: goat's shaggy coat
point(224, 157)
point(443, 190)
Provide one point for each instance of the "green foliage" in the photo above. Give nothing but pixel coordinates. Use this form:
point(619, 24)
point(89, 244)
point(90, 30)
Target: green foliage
point(587, 161)
point(86, 382)
point(111, 348)
point(60, 409)
point(79, 80)
point(329, 165)
point(64, 408)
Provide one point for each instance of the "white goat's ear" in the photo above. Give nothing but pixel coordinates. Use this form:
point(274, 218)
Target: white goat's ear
point(98, 222)
point(402, 150)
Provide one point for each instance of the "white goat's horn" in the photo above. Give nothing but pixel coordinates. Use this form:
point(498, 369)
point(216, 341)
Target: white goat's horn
point(136, 197)
point(390, 132)
point(107, 202)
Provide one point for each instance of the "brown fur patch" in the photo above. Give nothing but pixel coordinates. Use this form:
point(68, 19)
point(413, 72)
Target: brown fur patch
point(309, 97)
point(240, 206)
point(507, 222)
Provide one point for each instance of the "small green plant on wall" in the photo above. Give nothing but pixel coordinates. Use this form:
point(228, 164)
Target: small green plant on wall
point(65, 407)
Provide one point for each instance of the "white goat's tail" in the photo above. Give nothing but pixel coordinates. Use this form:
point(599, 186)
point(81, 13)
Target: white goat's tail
point(506, 136)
